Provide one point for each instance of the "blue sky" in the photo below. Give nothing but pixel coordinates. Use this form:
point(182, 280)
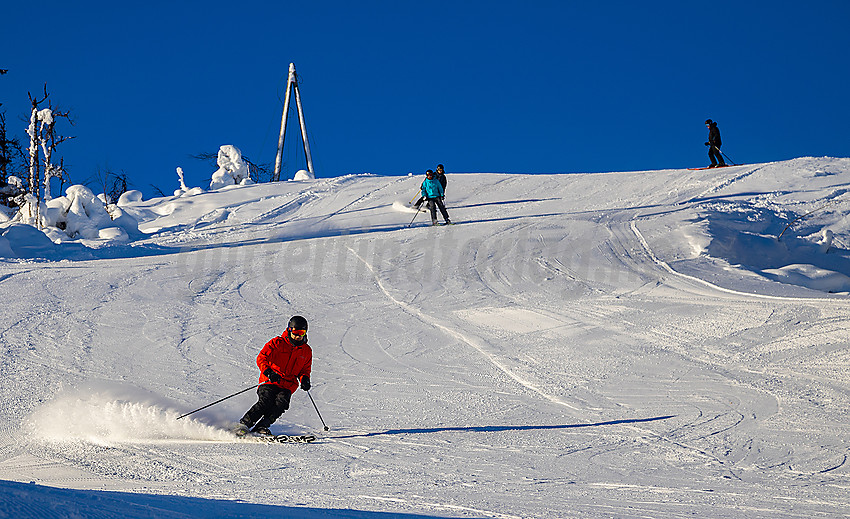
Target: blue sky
point(391, 87)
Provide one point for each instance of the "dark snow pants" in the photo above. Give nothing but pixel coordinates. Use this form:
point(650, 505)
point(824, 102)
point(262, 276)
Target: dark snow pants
point(714, 155)
point(438, 202)
point(273, 401)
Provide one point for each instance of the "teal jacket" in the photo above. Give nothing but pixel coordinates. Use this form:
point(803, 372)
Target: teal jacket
point(431, 188)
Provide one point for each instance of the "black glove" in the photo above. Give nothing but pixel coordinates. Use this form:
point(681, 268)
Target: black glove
point(305, 383)
point(706, 144)
point(271, 375)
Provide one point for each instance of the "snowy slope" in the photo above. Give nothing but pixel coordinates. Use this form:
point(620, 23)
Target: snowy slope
point(592, 345)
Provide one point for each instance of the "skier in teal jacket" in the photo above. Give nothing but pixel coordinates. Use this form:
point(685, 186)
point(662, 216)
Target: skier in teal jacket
point(433, 193)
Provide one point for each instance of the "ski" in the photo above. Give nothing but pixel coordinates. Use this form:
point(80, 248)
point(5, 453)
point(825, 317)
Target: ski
point(242, 433)
point(715, 167)
point(281, 438)
point(302, 438)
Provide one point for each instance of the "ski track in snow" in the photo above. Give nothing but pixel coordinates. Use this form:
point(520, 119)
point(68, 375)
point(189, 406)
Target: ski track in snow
point(477, 345)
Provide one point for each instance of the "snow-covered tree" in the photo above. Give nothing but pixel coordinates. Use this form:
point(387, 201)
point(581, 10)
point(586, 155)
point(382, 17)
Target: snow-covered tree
point(257, 172)
point(11, 164)
point(5, 150)
point(185, 190)
point(43, 142)
point(232, 170)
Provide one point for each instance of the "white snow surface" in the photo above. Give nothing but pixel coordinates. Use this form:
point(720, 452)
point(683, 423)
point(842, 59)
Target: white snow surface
point(601, 345)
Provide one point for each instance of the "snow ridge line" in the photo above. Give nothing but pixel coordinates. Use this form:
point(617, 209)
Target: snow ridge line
point(490, 356)
point(663, 264)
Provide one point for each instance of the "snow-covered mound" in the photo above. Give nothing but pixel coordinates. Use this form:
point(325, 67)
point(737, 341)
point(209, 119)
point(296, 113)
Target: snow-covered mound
point(303, 174)
point(25, 241)
point(79, 217)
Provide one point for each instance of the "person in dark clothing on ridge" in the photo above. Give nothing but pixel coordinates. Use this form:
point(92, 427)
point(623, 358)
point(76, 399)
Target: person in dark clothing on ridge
point(714, 144)
point(284, 362)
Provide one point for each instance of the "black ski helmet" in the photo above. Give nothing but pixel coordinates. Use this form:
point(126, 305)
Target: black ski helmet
point(297, 323)
point(709, 121)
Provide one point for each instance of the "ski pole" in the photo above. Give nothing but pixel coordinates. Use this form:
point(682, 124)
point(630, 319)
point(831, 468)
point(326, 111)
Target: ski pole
point(728, 157)
point(317, 411)
point(418, 192)
point(222, 400)
point(414, 217)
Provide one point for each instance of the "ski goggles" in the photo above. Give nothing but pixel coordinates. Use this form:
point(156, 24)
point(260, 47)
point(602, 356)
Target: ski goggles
point(297, 333)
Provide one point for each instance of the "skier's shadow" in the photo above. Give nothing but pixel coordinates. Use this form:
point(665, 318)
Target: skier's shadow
point(503, 428)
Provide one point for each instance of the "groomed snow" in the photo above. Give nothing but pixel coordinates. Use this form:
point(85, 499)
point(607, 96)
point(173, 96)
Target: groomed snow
point(587, 345)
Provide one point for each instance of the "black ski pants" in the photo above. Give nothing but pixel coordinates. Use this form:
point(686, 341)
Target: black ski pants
point(433, 203)
point(273, 401)
point(714, 155)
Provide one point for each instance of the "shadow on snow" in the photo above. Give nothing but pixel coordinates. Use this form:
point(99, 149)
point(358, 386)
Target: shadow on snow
point(505, 428)
point(31, 500)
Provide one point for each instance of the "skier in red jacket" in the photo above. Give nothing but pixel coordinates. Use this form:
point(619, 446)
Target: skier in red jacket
point(284, 362)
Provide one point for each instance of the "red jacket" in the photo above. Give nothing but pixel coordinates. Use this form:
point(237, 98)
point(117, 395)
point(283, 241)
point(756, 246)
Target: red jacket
point(289, 361)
